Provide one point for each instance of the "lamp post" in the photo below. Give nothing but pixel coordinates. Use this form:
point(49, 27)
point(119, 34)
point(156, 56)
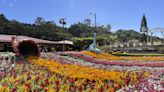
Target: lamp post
point(94, 14)
point(162, 32)
point(63, 22)
point(151, 38)
point(147, 38)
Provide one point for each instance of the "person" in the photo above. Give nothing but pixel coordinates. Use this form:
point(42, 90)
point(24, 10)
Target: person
point(12, 65)
point(4, 64)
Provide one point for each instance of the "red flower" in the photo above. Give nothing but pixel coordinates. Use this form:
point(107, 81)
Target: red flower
point(106, 85)
point(28, 77)
point(13, 90)
point(15, 76)
point(46, 82)
point(28, 85)
point(162, 83)
point(71, 81)
point(36, 79)
point(100, 90)
point(57, 82)
point(42, 85)
point(80, 88)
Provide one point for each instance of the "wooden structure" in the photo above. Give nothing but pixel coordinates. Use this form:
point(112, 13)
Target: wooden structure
point(44, 45)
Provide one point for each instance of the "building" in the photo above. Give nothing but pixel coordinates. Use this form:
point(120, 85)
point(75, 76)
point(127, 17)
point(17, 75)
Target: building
point(138, 47)
point(5, 43)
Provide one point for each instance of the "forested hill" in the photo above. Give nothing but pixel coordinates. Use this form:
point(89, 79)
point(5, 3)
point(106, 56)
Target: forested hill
point(48, 30)
point(40, 29)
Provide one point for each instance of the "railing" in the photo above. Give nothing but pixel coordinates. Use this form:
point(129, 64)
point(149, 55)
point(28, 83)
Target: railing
point(137, 44)
point(7, 56)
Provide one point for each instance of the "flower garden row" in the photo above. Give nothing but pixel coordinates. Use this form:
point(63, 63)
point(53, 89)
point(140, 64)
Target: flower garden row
point(150, 82)
point(112, 57)
point(45, 75)
point(68, 59)
point(57, 73)
point(108, 62)
point(154, 83)
point(102, 80)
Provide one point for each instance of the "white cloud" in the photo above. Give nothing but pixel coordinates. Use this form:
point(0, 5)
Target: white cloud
point(11, 4)
point(71, 3)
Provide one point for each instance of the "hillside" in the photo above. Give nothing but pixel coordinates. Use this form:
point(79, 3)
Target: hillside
point(48, 30)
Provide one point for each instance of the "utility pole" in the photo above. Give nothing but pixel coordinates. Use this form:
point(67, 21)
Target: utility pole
point(63, 22)
point(95, 17)
point(162, 32)
point(151, 38)
point(95, 20)
point(147, 37)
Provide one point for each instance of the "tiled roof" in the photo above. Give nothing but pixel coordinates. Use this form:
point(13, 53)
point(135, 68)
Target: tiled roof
point(7, 38)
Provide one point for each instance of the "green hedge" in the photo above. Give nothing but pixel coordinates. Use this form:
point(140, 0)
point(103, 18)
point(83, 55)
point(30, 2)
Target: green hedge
point(86, 42)
point(129, 54)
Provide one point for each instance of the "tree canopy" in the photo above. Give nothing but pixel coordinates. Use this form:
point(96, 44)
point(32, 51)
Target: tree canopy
point(48, 30)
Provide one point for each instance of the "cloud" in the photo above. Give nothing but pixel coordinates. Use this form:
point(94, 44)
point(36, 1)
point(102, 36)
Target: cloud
point(71, 3)
point(11, 4)
point(8, 3)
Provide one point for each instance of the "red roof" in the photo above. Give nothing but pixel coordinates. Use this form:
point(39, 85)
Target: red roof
point(7, 38)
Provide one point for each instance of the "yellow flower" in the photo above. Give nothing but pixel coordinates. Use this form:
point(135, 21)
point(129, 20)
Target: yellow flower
point(4, 89)
point(51, 89)
point(23, 88)
point(112, 57)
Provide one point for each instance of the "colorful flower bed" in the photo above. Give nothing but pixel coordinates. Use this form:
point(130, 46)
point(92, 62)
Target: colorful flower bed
point(111, 57)
point(106, 62)
point(158, 86)
point(45, 75)
point(154, 83)
point(77, 72)
point(66, 58)
point(114, 79)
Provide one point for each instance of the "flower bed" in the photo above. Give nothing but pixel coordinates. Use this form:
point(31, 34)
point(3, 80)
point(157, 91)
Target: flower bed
point(52, 76)
point(107, 62)
point(118, 79)
point(158, 86)
point(112, 57)
point(71, 74)
point(68, 59)
point(154, 83)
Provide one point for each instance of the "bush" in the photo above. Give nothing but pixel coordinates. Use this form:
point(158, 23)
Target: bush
point(129, 54)
point(161, 49)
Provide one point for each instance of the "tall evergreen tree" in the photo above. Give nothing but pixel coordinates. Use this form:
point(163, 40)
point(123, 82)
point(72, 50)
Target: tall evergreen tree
point(144, 28)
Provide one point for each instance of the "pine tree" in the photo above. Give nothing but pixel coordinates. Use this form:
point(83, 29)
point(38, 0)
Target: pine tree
point(144, 28)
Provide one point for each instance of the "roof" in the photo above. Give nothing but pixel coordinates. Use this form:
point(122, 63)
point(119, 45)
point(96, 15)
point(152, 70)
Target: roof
point(7, 38)
point(65, 41)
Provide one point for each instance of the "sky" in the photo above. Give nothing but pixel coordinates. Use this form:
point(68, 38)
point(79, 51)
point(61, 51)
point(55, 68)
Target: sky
point(120, 14)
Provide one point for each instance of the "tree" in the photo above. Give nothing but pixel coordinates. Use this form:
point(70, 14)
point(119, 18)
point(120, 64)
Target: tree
point(127, 35)
point(108, 28)
point(80, 30)
point(39, 21)
point(87, 22)
point(144, 27)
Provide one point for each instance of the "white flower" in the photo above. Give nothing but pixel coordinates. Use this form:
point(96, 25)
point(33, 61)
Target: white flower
point(2, 69)
point(135, 91)
point(13, 65)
